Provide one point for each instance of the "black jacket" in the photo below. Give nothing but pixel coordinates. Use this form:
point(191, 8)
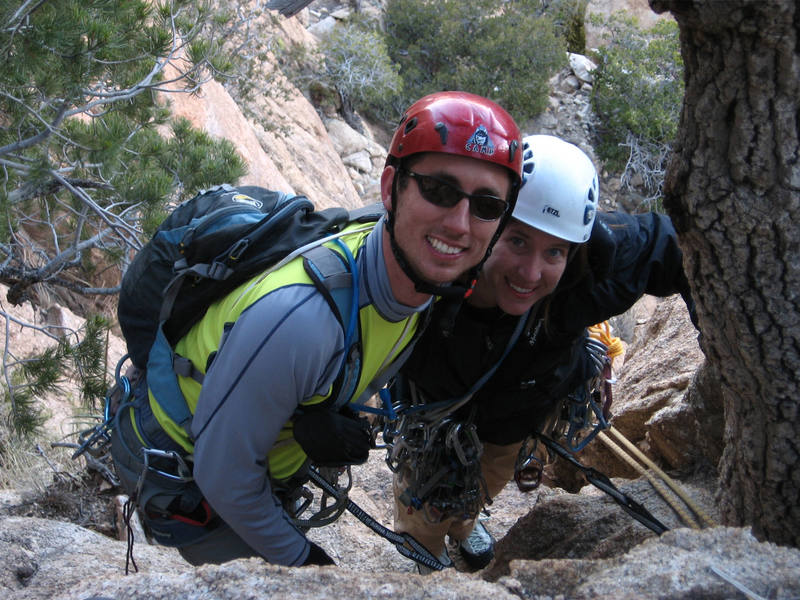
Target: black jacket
point(629, 255)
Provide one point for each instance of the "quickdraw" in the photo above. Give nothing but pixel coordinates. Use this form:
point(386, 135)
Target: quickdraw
point(590, 405)
point(583, 414)
point(301, 499)
point(437, 457)
point(581, 417)
point(96, 440)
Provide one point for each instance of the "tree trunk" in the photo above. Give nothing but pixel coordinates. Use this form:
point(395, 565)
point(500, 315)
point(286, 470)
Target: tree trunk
point(732, 191)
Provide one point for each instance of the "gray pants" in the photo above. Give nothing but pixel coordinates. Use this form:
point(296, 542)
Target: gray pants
point(219, 546)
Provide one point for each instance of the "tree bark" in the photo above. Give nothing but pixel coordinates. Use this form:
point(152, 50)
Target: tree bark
point(732, 191)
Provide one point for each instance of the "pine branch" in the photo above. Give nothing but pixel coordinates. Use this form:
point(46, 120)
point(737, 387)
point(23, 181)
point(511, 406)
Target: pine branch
point(29, 191)
point(118, 225)
point(20, 17)
point(22, 278)
point(39, 137)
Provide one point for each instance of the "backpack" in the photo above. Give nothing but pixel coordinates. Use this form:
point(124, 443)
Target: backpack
point(208, 246)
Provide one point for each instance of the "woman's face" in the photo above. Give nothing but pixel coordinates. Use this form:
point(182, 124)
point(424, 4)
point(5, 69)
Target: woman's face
point(525, 266)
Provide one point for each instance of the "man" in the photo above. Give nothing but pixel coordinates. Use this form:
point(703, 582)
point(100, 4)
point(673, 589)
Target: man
point(517, 347)
point(272, 349)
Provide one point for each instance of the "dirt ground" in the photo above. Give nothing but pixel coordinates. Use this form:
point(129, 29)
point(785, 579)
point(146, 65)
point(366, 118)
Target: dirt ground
point(85, 498)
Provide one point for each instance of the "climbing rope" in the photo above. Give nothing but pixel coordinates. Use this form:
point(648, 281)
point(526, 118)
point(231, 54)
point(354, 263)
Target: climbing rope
point(602, 333)
point(630, 453)
point(654, 481)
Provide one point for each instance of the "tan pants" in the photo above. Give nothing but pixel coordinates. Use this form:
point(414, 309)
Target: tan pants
point(497, 465)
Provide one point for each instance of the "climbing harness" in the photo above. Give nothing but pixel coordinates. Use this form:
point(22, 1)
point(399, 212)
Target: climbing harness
point(581, 416)
point(439, 463)
point(589, 409)
point(304, 508)
point(590, 405)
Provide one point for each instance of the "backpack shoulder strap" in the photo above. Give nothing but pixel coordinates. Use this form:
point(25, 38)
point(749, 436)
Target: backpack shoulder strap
point(163, 384)
point(337, 280)
point(366, 214)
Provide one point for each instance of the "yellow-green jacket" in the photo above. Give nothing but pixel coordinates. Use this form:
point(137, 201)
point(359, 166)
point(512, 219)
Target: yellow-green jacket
point(276, 345)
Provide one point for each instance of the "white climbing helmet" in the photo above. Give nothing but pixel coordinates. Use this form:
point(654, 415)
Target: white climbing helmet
point(559, 193)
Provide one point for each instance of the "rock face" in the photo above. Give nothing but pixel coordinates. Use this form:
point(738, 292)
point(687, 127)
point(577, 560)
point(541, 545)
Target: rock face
point(275, 129)
point(49, 559)
point(551, 544)
point(639, 9)
point(31, 333)
point(681, 564)
point(590, 525)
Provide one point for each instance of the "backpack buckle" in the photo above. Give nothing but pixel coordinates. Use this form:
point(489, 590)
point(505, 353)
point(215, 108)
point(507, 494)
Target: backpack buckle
point(218, 270)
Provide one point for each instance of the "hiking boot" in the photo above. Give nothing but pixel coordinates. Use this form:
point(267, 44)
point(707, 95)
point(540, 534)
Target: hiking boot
point(478, 549)
point(444, 558)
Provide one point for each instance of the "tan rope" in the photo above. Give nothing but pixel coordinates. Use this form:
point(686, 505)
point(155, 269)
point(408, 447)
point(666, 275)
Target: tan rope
point(659, 487)
point(602, 332)
point(709, 522)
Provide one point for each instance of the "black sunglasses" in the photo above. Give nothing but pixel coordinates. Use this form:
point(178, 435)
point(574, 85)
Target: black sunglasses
point(443, 193)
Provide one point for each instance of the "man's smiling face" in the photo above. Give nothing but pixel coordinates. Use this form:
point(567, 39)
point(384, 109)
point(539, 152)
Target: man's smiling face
point(442, 243)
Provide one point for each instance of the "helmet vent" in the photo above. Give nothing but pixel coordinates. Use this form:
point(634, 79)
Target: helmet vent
point(441, 129)
point(512, 150)
point(410, 125)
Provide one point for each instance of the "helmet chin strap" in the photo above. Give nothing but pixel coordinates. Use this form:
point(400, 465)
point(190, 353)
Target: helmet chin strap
point(421, 285)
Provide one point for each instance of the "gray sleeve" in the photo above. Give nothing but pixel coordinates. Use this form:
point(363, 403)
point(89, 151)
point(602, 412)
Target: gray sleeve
point(282, 350)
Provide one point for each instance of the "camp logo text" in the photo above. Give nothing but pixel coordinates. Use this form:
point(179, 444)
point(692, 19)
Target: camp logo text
point(480, 142)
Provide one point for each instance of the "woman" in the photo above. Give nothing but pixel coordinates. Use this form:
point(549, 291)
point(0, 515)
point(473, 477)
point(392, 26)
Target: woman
point(517, 346)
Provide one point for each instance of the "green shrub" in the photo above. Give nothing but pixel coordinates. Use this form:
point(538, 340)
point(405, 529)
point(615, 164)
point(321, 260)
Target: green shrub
point(505, 52)
point(637, 96)
point(570, 21)
point(358, 66)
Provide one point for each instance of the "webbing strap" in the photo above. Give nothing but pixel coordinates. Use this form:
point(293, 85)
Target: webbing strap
point(337, 280)
point(333, 272)
point(602, 482)
point(185, 368)
point(377, 385)
point(427, 407)
point(163, 383)
point(405, 543)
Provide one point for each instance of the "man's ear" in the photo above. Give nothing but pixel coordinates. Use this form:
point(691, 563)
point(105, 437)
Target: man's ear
point(387, 179)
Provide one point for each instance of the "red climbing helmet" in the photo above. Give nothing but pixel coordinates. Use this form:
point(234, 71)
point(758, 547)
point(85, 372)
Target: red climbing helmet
point(459, 123)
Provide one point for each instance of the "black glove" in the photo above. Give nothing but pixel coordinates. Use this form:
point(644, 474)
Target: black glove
point(333, 439)
point(317, 556)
